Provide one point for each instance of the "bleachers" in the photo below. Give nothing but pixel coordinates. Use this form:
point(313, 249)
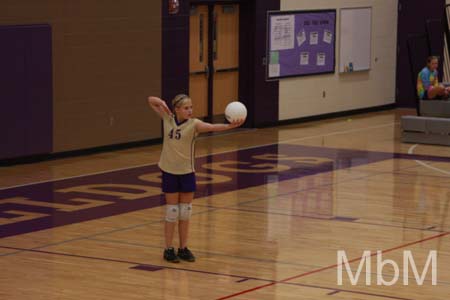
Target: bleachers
point(431, 127)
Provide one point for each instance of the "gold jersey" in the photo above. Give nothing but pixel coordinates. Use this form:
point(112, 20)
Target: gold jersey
point(177, 156)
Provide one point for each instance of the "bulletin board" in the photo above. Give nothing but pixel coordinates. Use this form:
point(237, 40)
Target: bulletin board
point(300, 43)
point(355, 41)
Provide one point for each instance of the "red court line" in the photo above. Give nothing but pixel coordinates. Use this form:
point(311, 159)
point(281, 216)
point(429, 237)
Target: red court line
point(332, 293)
point(331, 267)
point(241, 278)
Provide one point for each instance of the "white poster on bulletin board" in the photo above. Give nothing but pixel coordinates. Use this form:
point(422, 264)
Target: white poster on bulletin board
point(355, 39)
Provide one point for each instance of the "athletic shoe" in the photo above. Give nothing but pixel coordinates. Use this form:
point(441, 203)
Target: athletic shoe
point(186, 254)
point(170, 256)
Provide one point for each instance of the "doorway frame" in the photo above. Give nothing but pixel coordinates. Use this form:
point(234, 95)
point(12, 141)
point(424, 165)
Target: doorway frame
point(260, 96)
point(210, 5)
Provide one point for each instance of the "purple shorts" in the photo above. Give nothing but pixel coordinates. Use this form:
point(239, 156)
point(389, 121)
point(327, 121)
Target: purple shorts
point(172, 183)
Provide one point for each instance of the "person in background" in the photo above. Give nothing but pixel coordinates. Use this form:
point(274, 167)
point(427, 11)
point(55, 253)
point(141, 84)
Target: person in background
point(428, 87)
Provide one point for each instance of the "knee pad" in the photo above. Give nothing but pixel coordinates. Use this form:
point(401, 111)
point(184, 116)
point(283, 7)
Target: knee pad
point(172, 212)
point(185, 211)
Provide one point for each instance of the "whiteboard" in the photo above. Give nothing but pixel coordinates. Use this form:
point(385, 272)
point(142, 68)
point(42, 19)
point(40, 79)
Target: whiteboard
point(355, 39)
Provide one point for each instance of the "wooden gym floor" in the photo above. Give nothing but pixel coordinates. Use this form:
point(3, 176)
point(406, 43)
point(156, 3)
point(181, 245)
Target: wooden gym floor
point(273, 208)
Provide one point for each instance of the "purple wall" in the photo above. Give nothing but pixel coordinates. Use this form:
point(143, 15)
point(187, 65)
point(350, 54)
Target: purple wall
point(26, 94)
point(12, 93)
point(175, 51)
point(412, 20)
point(261, 95)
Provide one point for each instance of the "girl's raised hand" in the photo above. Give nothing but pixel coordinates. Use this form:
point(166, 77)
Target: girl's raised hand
point(159, 106)
point(163, 106)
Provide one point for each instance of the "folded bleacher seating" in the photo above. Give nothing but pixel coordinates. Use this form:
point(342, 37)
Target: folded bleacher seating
point(432, 127)
point(435, 108)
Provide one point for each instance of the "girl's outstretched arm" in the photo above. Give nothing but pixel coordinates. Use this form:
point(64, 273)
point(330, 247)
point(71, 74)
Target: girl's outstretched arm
point(208, 127)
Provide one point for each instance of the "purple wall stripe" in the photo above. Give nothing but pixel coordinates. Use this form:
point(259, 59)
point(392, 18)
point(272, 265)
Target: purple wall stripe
point(26, 117)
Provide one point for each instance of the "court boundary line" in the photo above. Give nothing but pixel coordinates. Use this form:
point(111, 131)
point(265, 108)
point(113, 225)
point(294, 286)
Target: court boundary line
point(215, 153)
point(97, 234)
point(271, 282)
point(332, 266)
point(260, 260)
point(103, 259)
point(411, 151)
point(239, 257)
point(331, 219)
point(37, 250)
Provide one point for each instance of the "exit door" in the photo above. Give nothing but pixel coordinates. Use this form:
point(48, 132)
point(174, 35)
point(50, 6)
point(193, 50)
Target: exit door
point(213, 58)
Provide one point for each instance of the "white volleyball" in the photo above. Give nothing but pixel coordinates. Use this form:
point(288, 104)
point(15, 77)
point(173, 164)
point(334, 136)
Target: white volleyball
point(235, 111)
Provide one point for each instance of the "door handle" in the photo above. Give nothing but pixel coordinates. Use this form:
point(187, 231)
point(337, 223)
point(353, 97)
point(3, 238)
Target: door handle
point(206, 71)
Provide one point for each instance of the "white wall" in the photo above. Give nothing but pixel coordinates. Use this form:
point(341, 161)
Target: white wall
point(303, 96)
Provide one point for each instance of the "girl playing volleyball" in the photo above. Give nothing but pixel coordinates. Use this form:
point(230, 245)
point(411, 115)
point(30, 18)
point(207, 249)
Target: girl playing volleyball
point(177, 167)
